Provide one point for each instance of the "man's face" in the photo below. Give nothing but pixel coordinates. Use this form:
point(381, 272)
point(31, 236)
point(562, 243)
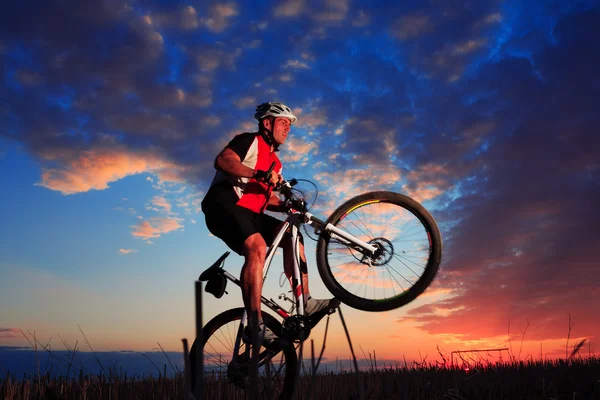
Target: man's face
point(281, 128)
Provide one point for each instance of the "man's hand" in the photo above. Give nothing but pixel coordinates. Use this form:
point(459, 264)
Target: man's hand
point(272, 179)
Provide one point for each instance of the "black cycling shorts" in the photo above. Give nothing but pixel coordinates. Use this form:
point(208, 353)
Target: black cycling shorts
point(234, 224)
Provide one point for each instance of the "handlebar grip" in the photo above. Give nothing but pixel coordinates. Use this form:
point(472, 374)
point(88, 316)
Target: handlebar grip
point(271, 169)
point(269, 172)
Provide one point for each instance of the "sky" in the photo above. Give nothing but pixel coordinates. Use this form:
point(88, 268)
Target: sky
point(111, 114)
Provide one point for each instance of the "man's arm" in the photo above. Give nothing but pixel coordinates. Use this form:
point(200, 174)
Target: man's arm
point(275, 204)
point(231, 164)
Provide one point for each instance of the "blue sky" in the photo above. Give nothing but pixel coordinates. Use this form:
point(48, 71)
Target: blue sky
point(111, 114)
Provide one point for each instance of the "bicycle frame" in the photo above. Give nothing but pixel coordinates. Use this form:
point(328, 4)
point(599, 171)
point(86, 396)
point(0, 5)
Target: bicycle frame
point(292, 222)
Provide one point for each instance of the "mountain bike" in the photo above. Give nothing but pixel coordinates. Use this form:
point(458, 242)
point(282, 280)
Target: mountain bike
point(377, 252)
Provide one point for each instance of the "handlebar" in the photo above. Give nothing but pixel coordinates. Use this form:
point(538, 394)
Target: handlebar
point(285, 188)
point(291, 202)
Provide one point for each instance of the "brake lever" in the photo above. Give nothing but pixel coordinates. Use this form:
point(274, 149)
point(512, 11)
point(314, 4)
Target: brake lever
point(285, 185)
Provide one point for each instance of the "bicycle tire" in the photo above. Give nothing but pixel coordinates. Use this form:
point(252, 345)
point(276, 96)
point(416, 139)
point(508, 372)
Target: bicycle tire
point(216, 363)
point(337, 277)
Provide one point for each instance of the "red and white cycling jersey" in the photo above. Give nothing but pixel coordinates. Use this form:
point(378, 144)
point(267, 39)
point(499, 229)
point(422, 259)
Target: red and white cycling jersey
point(256, 153)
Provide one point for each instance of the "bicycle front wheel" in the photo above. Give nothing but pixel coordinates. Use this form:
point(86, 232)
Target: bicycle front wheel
point(276, 372)
point(409, 251)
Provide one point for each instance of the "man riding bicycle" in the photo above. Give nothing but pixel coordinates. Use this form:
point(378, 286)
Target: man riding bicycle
point(235, 203)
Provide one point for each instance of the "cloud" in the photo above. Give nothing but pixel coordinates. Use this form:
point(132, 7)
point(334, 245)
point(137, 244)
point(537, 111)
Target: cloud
point(212, 120)
point(468, 46)
point(161, 202)
point(9, 333)
point(189, 18)
point(488, 20)
point(322, 13)
point(485, 114)
point(428, 181)
point(412, 26)
point(95, 169)
point(310, 119)
point(285, 77)
point(211, 59)
point(296, 64)
point(509, 243)
point(184, 18)
point(245, 102)
point(155, 227)
point(296, 149)
point(333, 11)
point(127, 251)
point(348, 182)
point(219, 16)
point(289, 8)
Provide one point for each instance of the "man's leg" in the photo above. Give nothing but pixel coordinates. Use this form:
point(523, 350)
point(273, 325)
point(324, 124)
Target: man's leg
point(312, 305)
point(288, 263)
point(251, 278)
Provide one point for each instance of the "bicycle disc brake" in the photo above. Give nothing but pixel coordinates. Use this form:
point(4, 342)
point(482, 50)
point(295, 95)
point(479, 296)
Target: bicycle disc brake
point(383, 253)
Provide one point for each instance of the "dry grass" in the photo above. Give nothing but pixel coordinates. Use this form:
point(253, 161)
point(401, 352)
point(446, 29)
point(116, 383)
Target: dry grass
point(576, 378)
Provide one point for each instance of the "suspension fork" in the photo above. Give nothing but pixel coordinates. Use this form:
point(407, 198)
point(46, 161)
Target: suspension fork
point(297, 283)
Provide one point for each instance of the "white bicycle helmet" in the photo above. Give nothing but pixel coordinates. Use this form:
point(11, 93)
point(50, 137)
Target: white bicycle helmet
point(274, 109)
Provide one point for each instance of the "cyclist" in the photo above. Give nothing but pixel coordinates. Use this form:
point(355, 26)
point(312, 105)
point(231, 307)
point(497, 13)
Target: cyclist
point(235, 203)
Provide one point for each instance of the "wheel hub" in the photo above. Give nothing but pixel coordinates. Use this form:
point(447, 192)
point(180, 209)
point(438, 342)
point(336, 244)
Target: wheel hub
point(383, 253)
point(237, 371)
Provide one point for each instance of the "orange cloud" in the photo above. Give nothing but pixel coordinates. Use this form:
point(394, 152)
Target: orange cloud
point(127, 251)
point(95, 169)
point(162, 203)
point(428, 181)
point(289, 8)
point(298, 148)
point(361, 180)
point(358, 273)
point(156, 227)
point(9, 333)
point(309, 120)
point(219, 17)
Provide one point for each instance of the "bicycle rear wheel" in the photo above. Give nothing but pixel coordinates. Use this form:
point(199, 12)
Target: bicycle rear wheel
point(277, 373)
point(410, 251)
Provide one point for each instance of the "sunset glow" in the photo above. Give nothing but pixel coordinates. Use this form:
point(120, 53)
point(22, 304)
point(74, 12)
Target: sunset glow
point(486, 114)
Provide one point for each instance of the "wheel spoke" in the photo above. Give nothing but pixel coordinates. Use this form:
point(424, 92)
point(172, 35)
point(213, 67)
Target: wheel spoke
point(276, 374)
point(404, 258)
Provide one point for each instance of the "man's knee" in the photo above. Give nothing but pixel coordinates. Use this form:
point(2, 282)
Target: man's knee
point(255, 247)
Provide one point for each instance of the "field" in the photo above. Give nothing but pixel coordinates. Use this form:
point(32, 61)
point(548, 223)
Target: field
point(578, 378)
